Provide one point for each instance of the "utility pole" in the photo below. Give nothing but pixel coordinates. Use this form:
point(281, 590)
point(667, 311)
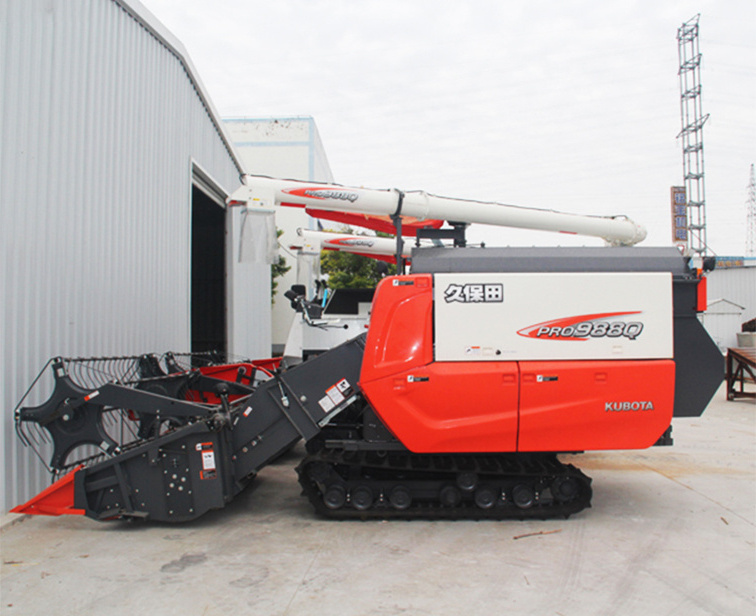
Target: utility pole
point(693, 120)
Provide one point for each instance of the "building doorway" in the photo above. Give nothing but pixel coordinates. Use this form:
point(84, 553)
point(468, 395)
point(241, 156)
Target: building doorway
point(208, 301)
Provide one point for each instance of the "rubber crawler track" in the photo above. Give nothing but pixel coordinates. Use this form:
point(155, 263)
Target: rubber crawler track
point(400, 485)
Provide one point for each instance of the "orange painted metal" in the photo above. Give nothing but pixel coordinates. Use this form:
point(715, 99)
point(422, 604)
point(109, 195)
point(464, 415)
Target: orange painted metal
point(450, 407)
point(432, 407)
point(586, 405)
point(701, 295)
point(230, 372)
point(58, 499)
point(384, 224)
point(400, 336)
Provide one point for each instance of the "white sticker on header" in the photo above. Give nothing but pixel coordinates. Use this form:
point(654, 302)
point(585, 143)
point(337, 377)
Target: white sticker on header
point(326, 403)
point(208, 460)
point(335, 395)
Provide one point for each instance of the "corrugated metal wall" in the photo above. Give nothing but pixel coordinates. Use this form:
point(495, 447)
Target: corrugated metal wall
point(737, 287)
point(102, 118)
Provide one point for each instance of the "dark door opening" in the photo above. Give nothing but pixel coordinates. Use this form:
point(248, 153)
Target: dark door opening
point(208, 274)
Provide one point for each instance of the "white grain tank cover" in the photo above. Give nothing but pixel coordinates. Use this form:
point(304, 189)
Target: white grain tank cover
point(545, 316)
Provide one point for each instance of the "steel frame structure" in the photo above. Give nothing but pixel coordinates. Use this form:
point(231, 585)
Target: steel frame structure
point(693, 120)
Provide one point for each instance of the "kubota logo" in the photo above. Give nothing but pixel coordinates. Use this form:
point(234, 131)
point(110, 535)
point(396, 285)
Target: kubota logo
point(323, 193)
point(584, 327)
point(636, 405)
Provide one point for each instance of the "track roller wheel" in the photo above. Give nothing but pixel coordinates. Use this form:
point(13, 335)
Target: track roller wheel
point(485, 497)
point(564, 489)
point(400, 498)
point(450, 496)
point(335, 497)
point(361, 498)
point(467, 482)
point(523, 496)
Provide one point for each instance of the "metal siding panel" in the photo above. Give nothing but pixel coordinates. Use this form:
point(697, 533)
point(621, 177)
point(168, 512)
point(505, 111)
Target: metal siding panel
point(737, 285)
point(99, 123)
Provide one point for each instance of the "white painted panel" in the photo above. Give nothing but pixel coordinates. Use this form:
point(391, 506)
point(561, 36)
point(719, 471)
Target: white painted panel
point(286, 148)
point(502, 317)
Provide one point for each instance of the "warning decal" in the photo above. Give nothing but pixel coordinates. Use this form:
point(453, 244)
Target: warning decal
point(208, 460)
point(335, 395)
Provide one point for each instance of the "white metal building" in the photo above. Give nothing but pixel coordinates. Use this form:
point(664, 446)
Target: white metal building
point(115, 236)
point(732, 301)
point(284, 148)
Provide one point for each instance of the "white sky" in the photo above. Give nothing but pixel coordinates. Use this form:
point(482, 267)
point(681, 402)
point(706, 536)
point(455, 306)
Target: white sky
point(571, 105)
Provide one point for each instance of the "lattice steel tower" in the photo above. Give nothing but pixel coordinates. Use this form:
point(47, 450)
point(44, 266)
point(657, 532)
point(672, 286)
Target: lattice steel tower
point(751, 216)
point(691, 135)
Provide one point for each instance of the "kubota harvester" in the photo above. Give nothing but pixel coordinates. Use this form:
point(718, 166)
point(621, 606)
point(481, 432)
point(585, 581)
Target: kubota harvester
point(479, 368)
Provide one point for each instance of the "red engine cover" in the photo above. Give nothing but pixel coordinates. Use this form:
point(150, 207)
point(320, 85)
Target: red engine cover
point(457, 407)
point(582, 405)
point(450, 407)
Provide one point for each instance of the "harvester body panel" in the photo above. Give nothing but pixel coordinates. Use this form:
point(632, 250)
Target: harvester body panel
point(451, 361)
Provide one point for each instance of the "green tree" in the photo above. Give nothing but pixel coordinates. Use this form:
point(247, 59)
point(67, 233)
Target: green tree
point(277, 269)
point(349, 271)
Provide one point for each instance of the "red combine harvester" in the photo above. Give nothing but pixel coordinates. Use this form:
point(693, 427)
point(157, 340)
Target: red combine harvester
point(478, 369)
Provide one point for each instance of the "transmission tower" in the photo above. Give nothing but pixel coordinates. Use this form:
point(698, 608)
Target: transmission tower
point(691, 135)
point(751, 216)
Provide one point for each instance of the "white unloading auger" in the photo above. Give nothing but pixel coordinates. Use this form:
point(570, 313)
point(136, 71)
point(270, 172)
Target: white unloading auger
point(265, 192)
point(366, 245)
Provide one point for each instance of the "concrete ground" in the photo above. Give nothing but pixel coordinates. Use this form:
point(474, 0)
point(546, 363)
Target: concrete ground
point(671, 532)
